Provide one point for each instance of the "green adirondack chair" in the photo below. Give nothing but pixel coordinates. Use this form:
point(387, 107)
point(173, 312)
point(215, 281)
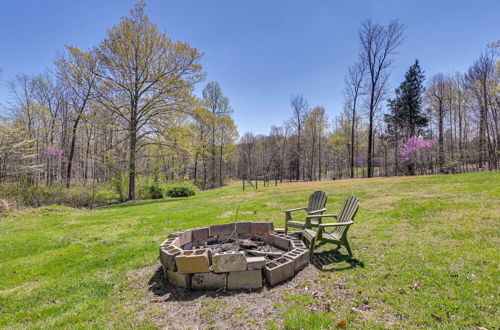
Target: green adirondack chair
point(316, 205)
point(339, 233)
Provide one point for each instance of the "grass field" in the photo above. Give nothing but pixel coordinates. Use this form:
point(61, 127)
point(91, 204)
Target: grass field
point(427, 249)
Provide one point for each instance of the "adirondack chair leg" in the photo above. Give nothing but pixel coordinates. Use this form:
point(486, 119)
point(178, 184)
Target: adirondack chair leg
point(348, 248)
point(311, 249)
point(286, 227)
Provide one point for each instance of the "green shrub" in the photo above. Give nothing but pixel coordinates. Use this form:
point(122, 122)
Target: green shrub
point(154, 191)
point(179, 189)
point(451, 166)
point(36, 195)
point(105, 197)
point(120, 185)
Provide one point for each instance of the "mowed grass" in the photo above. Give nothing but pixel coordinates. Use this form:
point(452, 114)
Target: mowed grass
point(428, 245)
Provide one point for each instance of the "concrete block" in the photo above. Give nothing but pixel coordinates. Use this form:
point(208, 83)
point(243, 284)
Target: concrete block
point(229, 262)
point(188, 246)
point(185, 237)
point(281, 242)
point(176, 234)
point(222, 230)
point(285, 236)
point(297, 244)
point(168, 241)
point(248, 279)
point(279, 230)
point(193, 261)
point(167, 256)
point(243, 227)
point(208, 281)
point(200, 234)
point(178, 279)
point(262, 227)
point(176, 242)
point(268, 239)
point(256, 263)
point(279, 270)
point(300, 258)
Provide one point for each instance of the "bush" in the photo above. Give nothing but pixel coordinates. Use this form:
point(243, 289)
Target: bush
point(179, 189)
point(154, 191)
point(105, 197)
point(451, 166)
point(120, 185)
point(39, 195)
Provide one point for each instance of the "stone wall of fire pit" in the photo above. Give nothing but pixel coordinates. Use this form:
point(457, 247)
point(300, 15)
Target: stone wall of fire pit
point(238, 255)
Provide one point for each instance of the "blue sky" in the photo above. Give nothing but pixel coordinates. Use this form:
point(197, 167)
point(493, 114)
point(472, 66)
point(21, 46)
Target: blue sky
point(260, 51)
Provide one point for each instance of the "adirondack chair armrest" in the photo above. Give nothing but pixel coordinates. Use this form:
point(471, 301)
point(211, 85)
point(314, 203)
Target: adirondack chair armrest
point(336, 224)
point(297, 209)
point(322, 216)
point(318, 211)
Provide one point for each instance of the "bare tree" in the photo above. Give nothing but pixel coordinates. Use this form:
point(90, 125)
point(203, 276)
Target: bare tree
point(353, 90)
point(480, 79)
point(437, 93)
point(218, 105)
point(77, 70)
point(378, 44)
point(299, 107)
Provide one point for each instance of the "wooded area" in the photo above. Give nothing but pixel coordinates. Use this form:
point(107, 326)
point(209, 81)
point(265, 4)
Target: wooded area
point(124, 112)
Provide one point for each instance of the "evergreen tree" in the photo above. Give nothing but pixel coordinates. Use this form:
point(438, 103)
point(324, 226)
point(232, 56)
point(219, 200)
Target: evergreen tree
point(406, 118)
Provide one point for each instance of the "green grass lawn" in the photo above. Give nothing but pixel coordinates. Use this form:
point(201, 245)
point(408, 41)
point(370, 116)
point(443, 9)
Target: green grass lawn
point(428, 248)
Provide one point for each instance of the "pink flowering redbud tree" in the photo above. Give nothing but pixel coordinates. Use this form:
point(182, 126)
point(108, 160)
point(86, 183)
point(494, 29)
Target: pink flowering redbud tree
point(412, 149)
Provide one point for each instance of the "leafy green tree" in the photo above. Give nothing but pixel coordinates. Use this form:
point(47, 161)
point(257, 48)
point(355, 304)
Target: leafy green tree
point(141, 74)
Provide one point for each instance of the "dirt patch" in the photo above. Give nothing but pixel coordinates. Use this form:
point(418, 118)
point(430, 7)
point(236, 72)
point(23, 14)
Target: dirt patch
point(152, 299)
point(176, 308)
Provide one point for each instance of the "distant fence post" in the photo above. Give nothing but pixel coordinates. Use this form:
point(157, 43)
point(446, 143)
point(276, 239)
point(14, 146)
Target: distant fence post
point(243, 184)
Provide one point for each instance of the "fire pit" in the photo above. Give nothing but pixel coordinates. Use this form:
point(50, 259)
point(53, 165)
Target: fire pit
point(238, 255)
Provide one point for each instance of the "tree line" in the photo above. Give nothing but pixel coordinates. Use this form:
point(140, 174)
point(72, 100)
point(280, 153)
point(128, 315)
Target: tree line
point(122, 109)
point(125, 111)
point(448, 123)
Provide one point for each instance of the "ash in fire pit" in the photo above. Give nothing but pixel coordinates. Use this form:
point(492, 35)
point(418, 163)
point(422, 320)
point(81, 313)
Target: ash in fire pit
point(239, 255)
point(254, 246)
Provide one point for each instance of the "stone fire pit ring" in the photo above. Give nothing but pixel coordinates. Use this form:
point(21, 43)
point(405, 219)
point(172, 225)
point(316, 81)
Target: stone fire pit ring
point(188, 266)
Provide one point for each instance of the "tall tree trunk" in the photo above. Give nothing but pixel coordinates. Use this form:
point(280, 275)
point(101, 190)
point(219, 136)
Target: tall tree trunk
point(132, 156)
point(220, 165)
point(482, 124)
point(353, 128)
point(370, 149)
point(204, 157)
point(297, 176)
point(319, 158)
point(71, 152)
point(441, 137)
point(195, 174)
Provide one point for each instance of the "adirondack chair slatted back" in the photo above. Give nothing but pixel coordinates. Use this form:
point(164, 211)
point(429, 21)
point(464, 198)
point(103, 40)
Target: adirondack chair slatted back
point(347, 213)
point(317, 201)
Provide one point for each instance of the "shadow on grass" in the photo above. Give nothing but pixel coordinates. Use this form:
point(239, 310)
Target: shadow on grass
point(159, 286)
point(334, 261)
